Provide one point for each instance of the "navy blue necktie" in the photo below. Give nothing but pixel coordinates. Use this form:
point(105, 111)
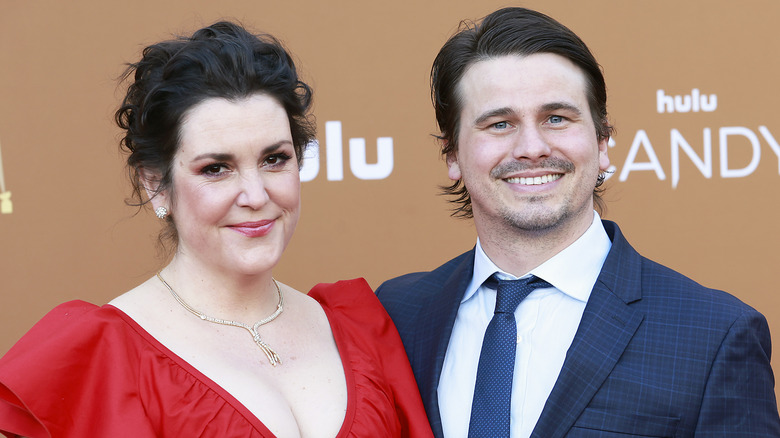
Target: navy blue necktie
point(491, 408)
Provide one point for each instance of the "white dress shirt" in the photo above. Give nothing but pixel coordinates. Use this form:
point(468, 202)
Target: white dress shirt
point(546, 323)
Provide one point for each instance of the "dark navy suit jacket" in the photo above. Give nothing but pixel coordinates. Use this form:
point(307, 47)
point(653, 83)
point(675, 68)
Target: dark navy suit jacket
point(655, 355)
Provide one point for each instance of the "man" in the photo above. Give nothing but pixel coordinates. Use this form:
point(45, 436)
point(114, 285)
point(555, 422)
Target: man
point(606, 343)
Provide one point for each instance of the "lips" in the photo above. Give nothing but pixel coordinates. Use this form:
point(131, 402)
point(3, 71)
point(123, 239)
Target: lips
point(254, 229)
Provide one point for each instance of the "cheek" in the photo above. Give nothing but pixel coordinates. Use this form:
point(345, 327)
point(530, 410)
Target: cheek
point(208, 203)
point(286, 193)
point(584, 151)
point(288, 198)
point(293, 202)
point(475, 158)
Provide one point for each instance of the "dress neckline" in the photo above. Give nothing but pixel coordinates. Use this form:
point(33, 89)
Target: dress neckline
point(341, 346)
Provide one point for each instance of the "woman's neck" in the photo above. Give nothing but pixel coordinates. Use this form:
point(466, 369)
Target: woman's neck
point(222, 293)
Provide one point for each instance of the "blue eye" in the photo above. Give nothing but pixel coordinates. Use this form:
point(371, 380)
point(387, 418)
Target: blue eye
point(501, 125)
point(556, 119)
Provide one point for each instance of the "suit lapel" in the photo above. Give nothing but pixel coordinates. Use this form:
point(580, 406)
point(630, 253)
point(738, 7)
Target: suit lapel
point(608, 324)
point(435, 323)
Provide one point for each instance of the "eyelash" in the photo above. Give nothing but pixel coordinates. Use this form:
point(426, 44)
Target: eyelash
point(218, 169)
point(208, 169)
point(281, 157)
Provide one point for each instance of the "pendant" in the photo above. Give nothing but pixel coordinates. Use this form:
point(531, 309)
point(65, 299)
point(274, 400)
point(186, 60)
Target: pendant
point(269, 352)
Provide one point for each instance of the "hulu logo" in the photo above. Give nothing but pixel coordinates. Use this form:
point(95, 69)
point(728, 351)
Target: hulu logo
point(693, 102)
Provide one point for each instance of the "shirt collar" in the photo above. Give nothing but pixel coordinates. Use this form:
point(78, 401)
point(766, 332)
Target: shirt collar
point(572, 271)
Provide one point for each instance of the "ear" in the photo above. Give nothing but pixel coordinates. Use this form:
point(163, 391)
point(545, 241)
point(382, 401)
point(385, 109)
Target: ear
point(151, 182)
point(603, 157)
point(453, 167)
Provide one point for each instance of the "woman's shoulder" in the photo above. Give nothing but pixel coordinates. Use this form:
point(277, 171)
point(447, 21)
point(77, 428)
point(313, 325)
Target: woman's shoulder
point(352, 306)
point(81, 359)
point(74, 339)
point(69, 322)
point(353, 297)
point(69, 312)
point(59, 356)
point(342, 292)
point(67, 335)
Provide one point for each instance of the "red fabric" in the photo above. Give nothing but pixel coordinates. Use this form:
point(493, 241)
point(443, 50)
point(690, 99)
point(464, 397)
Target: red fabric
point(88, 371)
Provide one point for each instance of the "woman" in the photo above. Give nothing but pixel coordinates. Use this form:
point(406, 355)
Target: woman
point(215, 125)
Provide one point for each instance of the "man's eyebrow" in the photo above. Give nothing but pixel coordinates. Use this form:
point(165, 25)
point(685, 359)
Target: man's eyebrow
point(557, 106)
point(507, 111)
point(498, 112)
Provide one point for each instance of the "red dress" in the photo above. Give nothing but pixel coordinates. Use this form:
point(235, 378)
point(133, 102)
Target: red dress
point(91, 372)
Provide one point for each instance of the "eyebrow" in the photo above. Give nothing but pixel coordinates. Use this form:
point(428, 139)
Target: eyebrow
point(217, 156)
point(506, 111)
point(498, 112)
point(557, 106)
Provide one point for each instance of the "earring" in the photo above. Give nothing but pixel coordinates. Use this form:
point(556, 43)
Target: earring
point(161, 212)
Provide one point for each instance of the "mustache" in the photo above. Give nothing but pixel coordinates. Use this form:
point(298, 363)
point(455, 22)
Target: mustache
point(504, 169)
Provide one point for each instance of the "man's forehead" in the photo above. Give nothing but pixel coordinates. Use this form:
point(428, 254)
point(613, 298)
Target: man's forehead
point(539, 81)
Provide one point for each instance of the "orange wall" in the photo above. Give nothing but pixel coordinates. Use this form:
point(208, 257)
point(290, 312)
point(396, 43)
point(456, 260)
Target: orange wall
point(71, 237)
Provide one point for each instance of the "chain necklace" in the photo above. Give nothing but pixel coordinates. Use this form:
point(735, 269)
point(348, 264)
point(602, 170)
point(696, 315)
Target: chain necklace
point(269, 352)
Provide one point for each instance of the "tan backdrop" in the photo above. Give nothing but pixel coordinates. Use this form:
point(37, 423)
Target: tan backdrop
point(693, 94)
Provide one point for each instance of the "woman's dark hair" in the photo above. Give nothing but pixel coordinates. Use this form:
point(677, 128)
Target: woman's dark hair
point(508, 31)
point(223, 60)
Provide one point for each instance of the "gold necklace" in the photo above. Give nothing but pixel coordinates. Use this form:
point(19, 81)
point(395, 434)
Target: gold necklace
point(269, 352)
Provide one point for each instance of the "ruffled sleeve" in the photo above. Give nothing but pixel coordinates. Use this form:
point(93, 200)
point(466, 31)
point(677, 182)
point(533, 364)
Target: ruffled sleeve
point(62, 373)
point(385, 400)
point(88, 371)
point(16, 419)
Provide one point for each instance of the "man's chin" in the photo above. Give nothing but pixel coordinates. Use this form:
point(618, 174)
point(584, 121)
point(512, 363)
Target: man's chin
point(536, 222)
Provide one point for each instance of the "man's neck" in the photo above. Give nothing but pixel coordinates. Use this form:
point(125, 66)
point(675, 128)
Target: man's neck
point(519, 251)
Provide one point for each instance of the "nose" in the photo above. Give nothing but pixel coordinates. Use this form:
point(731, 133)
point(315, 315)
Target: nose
point(530, 144)
point(252, 190)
